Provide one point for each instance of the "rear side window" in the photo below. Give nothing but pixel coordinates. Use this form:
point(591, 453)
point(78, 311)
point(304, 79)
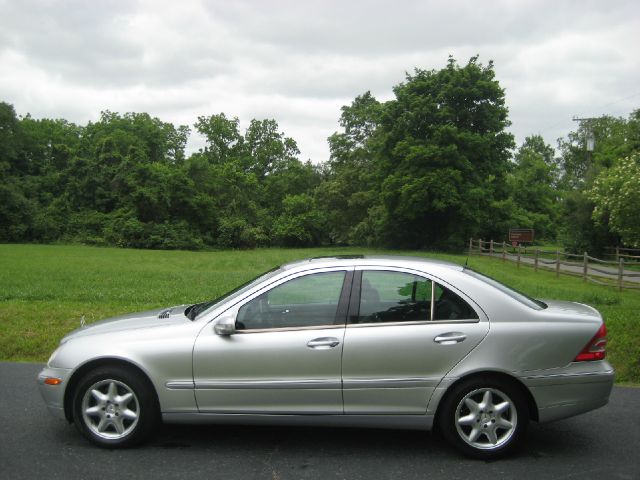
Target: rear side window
point(393, 297)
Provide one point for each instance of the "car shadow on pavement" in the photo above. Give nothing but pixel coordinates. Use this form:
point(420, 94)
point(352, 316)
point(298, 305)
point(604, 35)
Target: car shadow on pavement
point(561, 438)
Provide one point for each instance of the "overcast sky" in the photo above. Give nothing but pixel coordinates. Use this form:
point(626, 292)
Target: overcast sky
point(300, 61)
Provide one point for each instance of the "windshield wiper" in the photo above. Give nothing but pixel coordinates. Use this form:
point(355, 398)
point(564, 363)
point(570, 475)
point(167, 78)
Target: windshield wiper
point(193, 311)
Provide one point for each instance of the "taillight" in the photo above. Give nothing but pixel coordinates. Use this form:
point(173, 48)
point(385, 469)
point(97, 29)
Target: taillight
point(596, 348)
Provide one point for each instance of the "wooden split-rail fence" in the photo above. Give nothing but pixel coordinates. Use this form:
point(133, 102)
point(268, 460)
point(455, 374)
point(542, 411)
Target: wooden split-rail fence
point(618, 273)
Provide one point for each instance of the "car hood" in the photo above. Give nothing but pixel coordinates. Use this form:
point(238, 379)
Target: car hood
point(572, 309)
point(131, 321)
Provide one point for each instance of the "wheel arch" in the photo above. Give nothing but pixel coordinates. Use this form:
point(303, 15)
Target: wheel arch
point(81, 371)
point(514, 381)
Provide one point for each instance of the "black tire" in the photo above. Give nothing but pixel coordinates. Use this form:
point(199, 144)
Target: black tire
point(484, 425)
point(115, 407)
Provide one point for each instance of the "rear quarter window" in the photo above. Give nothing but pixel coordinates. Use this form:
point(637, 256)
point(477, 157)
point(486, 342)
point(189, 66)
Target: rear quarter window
point(512, 292)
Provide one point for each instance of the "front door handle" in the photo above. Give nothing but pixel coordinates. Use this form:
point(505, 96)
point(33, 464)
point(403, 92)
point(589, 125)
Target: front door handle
point(323, 343)
point(450, 338)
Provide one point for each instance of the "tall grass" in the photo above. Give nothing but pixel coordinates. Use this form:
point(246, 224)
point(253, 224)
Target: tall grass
point(45, 289)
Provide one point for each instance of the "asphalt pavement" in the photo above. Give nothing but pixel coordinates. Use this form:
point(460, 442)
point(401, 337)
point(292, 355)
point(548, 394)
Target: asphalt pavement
point(603, 444)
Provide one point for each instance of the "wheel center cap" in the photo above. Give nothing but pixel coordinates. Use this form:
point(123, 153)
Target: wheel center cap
point(111, 409)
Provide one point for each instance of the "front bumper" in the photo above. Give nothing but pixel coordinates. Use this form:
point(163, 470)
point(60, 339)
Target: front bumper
point(53, 395)
point(574, 391)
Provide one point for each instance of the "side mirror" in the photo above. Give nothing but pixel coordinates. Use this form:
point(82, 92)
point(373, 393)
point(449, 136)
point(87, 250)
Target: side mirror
point(225, 326)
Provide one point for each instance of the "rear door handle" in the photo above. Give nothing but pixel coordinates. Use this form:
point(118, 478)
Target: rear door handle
point(450, 338)
point(323, 343)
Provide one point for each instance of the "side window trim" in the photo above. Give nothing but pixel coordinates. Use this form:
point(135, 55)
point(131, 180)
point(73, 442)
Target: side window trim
point(354, 303)
point(345, 299)
point(432, 307)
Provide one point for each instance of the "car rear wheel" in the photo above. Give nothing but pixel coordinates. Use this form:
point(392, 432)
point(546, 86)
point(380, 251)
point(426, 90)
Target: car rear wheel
point(114, 407)
point(485, 418)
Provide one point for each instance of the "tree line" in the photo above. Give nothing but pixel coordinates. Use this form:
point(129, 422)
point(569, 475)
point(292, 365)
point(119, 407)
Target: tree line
point(428, 169)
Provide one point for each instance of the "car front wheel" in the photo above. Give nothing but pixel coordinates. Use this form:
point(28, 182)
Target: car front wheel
point(114, 407)
point(485, 418)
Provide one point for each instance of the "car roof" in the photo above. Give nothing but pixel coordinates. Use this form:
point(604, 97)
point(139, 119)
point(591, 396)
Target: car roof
point(372, 260)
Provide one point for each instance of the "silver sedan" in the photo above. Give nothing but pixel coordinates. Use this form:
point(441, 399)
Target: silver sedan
point(391, 342)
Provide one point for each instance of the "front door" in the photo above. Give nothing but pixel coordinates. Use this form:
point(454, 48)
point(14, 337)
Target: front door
point(285, 356)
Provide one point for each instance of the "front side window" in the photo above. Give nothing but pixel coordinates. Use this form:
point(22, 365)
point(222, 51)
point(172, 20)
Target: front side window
point(392, 297)
point(307, 301)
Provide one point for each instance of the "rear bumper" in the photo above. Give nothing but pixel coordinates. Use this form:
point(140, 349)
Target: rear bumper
point(53, 395)
point(564, 394)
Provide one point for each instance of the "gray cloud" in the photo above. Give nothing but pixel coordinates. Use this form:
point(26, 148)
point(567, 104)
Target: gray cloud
point(300, 61)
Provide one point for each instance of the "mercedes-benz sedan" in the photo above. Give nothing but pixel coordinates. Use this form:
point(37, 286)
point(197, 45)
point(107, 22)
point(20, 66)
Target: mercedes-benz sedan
point(354, 341)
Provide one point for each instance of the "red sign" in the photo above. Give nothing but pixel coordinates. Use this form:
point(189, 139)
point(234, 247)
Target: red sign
point(520, 235)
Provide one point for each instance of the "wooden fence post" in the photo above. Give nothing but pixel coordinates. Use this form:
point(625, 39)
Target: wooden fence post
point(535, 261)
point(470, 246)
point(480, 242)
point(620, 272)
point(518, 255)
point(557, 263)
point(504, 251)
point(491, 247)
point(617, 253)
point(585, 267)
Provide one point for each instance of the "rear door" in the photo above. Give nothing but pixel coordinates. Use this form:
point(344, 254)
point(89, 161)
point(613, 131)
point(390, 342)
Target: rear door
point(404, 333)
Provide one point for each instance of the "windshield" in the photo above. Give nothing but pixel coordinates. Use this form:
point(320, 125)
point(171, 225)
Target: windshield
point(198, 309)
point(513, 293)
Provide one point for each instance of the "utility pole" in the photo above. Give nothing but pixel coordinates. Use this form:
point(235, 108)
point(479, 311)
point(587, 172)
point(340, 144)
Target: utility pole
point(590, 140)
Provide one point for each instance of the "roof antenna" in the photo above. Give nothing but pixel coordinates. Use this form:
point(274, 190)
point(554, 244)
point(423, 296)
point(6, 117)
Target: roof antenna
point(466, 262)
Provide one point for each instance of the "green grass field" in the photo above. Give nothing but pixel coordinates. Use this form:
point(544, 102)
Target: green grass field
point(45, 289)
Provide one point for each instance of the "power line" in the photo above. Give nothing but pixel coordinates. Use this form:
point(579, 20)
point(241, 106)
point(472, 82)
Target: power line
point(560, 122)
point(620, 100)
